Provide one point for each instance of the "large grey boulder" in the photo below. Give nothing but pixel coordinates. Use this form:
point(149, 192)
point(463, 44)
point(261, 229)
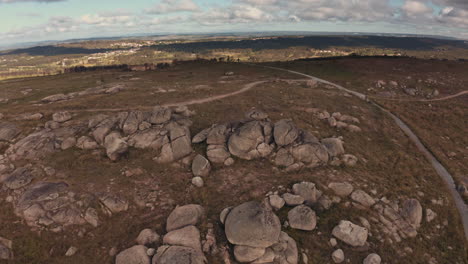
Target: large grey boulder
point(183, 216)
point(188, 236)
point(285, 132)
point(350, 233)
point(134, 255)
point(8, 131)
point(115, 146)
point(302, 217)
point(178, 255)
point(334, 146)
point(252, 224)
point(201, 166)
point(412, 212)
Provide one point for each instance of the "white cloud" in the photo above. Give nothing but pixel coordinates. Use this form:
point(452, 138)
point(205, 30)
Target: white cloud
point(173, 6)
point(415, 8)
point(20, 1)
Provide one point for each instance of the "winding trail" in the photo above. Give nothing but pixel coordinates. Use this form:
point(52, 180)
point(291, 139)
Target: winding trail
point(244, 89)
point(438, 167)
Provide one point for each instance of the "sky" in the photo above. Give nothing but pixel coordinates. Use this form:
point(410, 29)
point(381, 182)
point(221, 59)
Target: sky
point(38, 20)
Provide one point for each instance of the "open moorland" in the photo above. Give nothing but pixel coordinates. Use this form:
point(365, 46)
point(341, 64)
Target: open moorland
point(216, 162)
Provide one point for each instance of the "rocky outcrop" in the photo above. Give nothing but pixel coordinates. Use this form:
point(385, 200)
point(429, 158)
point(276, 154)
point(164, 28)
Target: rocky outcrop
point(8, 131)
point(257, 137)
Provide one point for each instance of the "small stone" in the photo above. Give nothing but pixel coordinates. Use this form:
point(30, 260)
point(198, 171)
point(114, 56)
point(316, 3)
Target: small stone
point(338, 256)
point(293, 200)
point(372, 259)
point(430, 215)
point(113, 251)
point(71, 251)
point(229, 162)
point(333, 242)
point(198, 181)
point(61, 117)
point(150, 252)
point(223, 214)
point(276, 201)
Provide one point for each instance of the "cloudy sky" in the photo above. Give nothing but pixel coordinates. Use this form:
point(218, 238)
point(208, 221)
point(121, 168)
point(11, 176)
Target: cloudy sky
point(35, 20)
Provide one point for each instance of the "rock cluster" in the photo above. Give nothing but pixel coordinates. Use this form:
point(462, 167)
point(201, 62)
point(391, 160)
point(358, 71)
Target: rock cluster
point(182, 244)
point(257, 137)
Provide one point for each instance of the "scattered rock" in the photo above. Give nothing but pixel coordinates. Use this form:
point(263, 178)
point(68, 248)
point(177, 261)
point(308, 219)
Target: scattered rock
point(349, 160)
point(293, 200)
point(188, 236)
point(430, 215)
point(71, 251)
point(201, 166)
point(252, 224)
point(303, 218)
point(350, 233)
point(115, 146)
point(342, 189)
point(61, 117)
point(198, 182)
point(276, 201)
point(307, 191)
point(412, 212)
point(134, 255)
point(285, 132)
point(372, 259)
point(147, 237)
point(183, 216)
point(334, 146)
point(338, 256)
point(362, 198)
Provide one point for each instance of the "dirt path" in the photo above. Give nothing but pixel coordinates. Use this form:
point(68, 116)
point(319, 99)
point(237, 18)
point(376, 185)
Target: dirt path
point(244, 89)
point(438, 167)
point(448, 97)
